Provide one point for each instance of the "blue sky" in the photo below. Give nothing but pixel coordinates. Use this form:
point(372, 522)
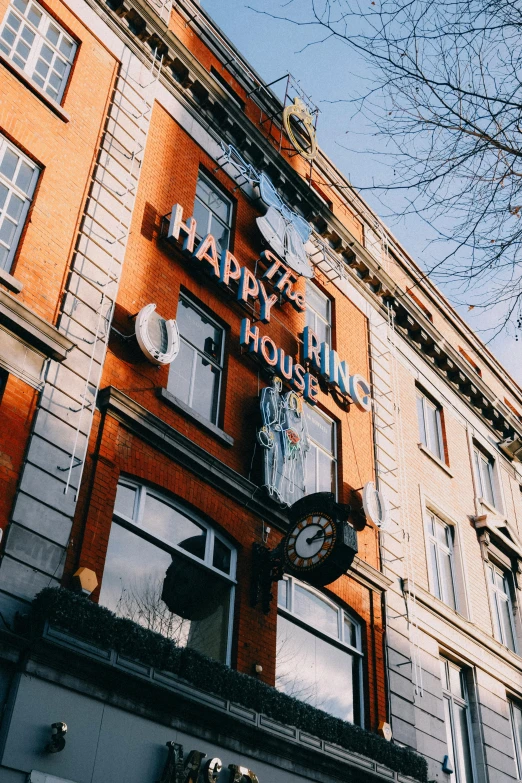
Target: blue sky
point(330, 72)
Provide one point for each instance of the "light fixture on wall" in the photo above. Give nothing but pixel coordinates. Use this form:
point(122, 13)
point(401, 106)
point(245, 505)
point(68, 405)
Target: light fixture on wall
point(512, 447)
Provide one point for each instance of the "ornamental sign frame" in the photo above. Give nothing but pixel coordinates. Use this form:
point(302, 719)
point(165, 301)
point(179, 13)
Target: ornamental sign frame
point(301, 112)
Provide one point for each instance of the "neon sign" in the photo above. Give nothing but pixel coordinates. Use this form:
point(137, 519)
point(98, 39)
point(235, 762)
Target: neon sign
point(284, 438)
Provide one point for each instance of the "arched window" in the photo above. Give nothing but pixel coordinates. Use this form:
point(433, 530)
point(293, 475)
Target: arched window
point(319, 651)
point(169, 571)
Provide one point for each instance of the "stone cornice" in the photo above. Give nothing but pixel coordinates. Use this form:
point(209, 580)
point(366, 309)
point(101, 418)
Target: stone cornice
point(33, 329)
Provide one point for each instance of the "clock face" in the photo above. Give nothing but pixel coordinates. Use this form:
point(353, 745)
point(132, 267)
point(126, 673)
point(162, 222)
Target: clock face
point(310, 541)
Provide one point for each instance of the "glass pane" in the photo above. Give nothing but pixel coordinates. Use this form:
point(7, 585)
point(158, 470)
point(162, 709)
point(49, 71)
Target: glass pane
point(132, 586)
point(51, 91)
point(448, 588)
point(8, 165)
point(449, 737)
point(435, 576)
point(319, 303)
point(443, 674)
point(213, 199)
point(173, 527)
point(319, 428)
point(433, 428)
point(4, 48)
point(350, 631)
point(487, 481)
point(3, 257)
point(317, 612)
point(28, 35)
point(420, 418)
point(206, 389)
point(222, 556)
point(59, 66)
point(480, 490)
point(198, 330)
point(15, 207)
point(462, 746)
point(516, 713)
point(66, 48)
point(3, 195)
point(180, 373)
point(496, 615)
point(455, 681)
point(507, 625)
point(326, 477)
point(202, 218)
point(46, 53)
point(53, 34)
point(38, 80)
point(311, 470)
point(8, 36)
point(20, 4)
point(125, 501)
point(315, 671)
point(55, 81)
point(14, 22)
point(282, 593)
point(220, 234)
point(25, 176)
point(22, 49)
point(7, 231)
point(34, 16)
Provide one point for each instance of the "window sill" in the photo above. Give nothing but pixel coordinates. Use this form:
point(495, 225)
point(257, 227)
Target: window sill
point(10, 282)
point(435, 459)
point(190, 413)
point(50, 103)
point(492, 510)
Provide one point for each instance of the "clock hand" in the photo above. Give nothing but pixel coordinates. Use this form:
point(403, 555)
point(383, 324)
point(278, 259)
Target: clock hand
point(319, 534)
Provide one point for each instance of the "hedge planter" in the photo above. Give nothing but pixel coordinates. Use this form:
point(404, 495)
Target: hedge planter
point(81, 617)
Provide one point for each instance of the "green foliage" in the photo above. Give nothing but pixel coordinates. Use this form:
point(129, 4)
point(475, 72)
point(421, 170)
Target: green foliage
point(79, 616)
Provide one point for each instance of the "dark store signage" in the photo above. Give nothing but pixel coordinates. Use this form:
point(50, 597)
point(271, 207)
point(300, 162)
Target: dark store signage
point(320, 544)
point(191, 769)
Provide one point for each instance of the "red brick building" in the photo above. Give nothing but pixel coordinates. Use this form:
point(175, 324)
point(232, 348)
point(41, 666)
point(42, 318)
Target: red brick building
point(117, 464)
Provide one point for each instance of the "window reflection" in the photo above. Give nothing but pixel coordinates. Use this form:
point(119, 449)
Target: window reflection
point(141, 576)
point(319, 663)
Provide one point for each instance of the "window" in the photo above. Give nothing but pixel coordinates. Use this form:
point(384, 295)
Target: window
point(430, 429)
point(441, 561)
point(485, 466)
point(38, 45)
point(195, 375)
point(159, 555)
point(18, 176)
point(213, 213)
point(320, 460)
point(318, 313)
point(501, 605)
point(516, 728)
point(319, 657)
point(457, 721)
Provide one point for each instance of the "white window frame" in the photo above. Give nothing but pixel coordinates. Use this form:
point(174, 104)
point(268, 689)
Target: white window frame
point(40, 40)
point(439, 587)
point(452, 699)
point(134, 524)
point(219, 366)
point(496, 596)
point(12, 188)
point(316, 315)
point(517, 739)
point(225, 199)
point(314, 446)
point(288, 612)
point(424, 406)
point(481, 459)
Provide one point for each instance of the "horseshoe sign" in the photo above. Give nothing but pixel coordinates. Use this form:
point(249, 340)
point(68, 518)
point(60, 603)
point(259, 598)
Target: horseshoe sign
point(301, 113)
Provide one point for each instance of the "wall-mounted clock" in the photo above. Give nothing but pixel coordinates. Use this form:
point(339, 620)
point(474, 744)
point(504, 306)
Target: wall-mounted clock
point(320, 544)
